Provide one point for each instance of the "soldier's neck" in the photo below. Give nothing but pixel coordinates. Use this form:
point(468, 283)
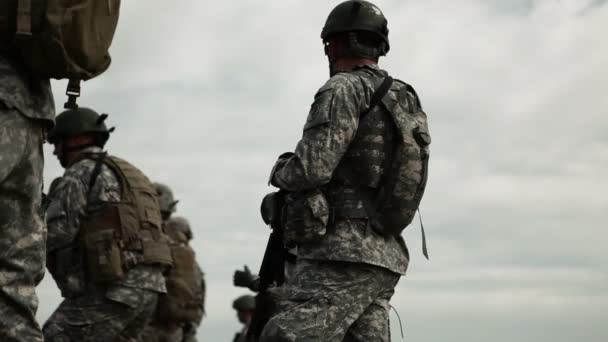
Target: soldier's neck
point(350, 63)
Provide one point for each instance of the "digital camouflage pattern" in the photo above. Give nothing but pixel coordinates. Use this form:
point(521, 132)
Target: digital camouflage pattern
point(332, 143)
point(25, 92)
point(23, 98)
point(96, 316)
point(333, 301)
point(140, 286)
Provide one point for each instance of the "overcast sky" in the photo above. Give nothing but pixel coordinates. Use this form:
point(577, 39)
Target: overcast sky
point(205, 95)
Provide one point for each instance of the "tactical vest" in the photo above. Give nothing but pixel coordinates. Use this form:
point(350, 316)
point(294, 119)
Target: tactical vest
point(184, 300)
point(382, 176)
point(133, 224)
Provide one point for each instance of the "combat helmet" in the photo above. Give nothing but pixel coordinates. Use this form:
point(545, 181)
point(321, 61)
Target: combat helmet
point(180, 225)
point(79, 121)
point(244, 303)
point(358, 16)
point(166, 200)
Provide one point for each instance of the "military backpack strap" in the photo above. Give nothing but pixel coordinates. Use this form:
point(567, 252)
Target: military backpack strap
point(378, 95)
point(99, 159)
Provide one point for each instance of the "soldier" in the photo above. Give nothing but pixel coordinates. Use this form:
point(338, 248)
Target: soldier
point(354, 183)
point(180, 311)
point(244, 306)
point(26, 113)
point(105, 246)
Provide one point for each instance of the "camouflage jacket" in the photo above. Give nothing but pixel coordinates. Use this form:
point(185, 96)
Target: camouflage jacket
point(68, 206)
point(29, 94)
point(330, 129)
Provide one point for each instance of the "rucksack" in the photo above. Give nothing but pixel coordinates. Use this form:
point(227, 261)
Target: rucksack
point(59, 38)
point(393, 204)
point(185, 297)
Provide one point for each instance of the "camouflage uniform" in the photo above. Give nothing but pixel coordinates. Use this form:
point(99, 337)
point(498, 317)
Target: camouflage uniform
point(117, 312)
point(342, 285)
point(26, 111)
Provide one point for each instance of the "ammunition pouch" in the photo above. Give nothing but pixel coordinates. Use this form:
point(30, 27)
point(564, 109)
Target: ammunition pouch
point(104, 257)
point(305, 217)
point(101, 244)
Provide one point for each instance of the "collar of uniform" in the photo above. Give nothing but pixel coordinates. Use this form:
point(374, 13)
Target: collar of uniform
point(367, 66)
point(86, 153)
point(91, 149)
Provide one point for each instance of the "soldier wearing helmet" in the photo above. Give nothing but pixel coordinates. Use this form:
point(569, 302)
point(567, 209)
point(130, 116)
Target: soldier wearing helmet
point(244, 306)
point(350, 252)
point(166, 200)
point(180, 311)
point(105, 245)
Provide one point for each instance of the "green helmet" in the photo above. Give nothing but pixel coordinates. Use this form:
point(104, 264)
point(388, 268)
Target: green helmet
point(357, 16)
point(181, 225)
point(166, 201)
point(244, 303)
point(78, 121)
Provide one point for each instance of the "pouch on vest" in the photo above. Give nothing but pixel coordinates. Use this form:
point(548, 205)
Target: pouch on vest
point(58, 38)
point(101, 244)
point(306, 214)
point(104, 257)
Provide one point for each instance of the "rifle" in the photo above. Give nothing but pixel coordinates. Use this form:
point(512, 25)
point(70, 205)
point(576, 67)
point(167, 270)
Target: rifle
point(272, 270)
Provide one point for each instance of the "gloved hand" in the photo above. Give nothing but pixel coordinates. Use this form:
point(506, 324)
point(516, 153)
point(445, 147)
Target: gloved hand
point(243, 278)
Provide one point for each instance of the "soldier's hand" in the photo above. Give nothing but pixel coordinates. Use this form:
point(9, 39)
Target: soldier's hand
point(243, 278)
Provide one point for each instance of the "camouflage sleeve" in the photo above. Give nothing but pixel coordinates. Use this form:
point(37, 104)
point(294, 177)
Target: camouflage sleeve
point(330, 127)
point(67, 206)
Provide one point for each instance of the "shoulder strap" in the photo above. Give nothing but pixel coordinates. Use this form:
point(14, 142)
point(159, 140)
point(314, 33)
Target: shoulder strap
point(379, 94)
point(99, 159)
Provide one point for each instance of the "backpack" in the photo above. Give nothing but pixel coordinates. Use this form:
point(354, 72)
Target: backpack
point(185, 297)
point(393, 204)
point(62, 39)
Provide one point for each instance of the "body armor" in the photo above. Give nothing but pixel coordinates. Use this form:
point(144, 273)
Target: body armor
point(184, 300)
point(131, 225)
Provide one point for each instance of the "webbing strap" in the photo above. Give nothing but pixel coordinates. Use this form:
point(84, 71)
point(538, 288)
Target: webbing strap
point(96, 171)
point(378, 95)
point(425, 251)
point(24, 17)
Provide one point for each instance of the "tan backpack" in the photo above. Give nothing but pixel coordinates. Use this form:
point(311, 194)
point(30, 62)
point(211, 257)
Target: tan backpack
point(185, 297)
point(62, 39)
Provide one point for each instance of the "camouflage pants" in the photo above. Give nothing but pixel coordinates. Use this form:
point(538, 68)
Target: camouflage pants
point(22, 234)
point(333, 301)
point(162, 333)
point(94, 317)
